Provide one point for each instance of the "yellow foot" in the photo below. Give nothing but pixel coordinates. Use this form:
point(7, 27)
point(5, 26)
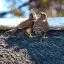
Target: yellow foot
point(29, 32)
point(45, 37)
point(30, 36)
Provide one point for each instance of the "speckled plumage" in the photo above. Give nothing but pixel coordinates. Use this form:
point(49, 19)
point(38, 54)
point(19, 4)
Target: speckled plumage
point(41, 25)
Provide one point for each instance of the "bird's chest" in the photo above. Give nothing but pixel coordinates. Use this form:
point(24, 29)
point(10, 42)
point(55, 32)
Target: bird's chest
point(38, 26)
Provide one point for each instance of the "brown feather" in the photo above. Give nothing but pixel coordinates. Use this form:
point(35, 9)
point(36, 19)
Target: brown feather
point(41, 25)
point(27, 24)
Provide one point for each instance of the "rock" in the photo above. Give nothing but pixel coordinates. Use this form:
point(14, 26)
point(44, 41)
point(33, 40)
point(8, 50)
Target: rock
point(8, 56)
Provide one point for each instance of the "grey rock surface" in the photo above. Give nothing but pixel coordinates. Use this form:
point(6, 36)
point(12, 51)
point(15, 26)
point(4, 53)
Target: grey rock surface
point(9, 56)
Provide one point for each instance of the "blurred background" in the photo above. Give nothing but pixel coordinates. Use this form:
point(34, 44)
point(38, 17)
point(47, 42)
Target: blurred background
point(51, 7)
point(22, 8)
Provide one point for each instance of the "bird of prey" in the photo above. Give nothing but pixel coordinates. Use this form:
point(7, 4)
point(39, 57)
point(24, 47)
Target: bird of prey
point(45, 24)
point(19, 23)
point(27, 25)
point(41, 24)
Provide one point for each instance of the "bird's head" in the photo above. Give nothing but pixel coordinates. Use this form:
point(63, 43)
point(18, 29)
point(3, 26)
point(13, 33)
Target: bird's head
point(43, 16)
point(35, 15)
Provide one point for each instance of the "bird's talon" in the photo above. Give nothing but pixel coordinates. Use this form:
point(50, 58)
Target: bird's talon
point(45, 37)
point(30, 36)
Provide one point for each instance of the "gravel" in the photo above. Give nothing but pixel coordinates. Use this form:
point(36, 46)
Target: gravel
point(40, 50)
point(9, 56)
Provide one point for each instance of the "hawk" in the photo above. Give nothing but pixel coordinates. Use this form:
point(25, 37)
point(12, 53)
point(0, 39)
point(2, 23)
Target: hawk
point(41, 25)
point(27, 25)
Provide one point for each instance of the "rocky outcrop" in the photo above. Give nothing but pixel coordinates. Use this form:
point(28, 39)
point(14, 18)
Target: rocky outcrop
point(8, 56)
